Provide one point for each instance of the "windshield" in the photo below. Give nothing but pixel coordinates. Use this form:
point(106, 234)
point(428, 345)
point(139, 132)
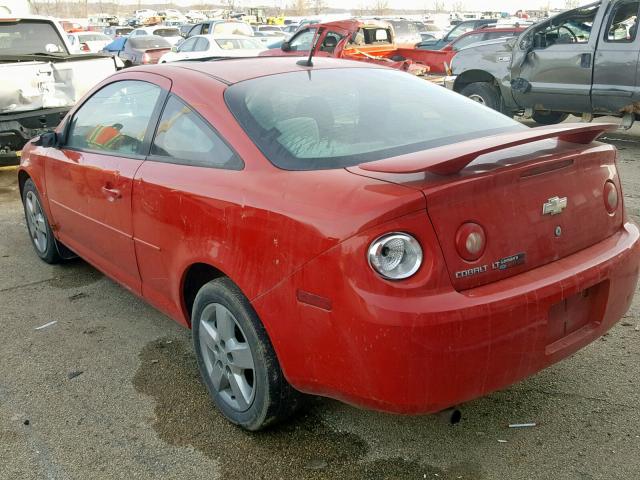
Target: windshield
point(459, 30)
point(301, 121)
point(167, 32)
point(30, 36)
point(150, 41)
point(233, 28)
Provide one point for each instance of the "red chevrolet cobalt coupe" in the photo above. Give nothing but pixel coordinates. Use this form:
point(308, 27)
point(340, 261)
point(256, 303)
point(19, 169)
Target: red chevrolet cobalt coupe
point(340, 229)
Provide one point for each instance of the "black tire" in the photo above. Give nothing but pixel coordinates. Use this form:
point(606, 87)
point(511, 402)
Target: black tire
point(273, 398)
point(46, 249)
point(484, 93)
point(549, 118)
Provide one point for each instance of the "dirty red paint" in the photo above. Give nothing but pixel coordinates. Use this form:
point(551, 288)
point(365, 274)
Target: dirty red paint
point(295, 243)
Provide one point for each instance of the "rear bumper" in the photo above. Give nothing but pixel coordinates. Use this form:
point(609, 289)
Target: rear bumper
point(409, 354)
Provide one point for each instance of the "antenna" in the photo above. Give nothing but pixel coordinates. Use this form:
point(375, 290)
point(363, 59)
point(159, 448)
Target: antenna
point(316, 37)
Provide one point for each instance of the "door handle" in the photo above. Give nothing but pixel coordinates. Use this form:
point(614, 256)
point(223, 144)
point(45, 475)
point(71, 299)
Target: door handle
point(111, 193)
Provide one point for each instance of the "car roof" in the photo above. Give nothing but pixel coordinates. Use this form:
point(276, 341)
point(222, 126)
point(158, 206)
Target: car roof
point(235, 70)
point(489, 30)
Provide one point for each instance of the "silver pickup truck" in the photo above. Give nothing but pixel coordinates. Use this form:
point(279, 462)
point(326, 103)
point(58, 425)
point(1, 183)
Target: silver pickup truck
point(583, 61)
point(40, 80)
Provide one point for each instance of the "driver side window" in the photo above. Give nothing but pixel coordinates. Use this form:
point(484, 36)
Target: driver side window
point(202, 45)
point(187, 45)
point(573, 28)
point(303, 40)
point(115, 119)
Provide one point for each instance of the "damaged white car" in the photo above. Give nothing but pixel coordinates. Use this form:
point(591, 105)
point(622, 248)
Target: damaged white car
point(40, 80)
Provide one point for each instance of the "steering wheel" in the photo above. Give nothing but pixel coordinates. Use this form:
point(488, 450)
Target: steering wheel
point(573, 35)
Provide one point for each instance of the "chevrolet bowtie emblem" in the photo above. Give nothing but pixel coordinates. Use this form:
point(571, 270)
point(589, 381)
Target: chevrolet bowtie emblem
point(554, 206)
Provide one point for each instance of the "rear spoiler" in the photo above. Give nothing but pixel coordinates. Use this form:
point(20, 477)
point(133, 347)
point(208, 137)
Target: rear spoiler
point(450, 159)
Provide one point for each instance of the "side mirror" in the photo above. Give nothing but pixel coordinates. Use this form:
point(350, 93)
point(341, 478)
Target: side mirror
point(285, 47)
point(47, 140)
point(174, 49)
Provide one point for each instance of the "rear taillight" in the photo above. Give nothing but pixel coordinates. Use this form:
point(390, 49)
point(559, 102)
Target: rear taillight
point(471, 241)
point(84, 47)
point(610, 195)
point(146, 58)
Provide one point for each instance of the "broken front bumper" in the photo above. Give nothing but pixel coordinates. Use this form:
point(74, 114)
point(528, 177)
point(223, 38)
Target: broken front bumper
point(449, 81)
point(18, 128)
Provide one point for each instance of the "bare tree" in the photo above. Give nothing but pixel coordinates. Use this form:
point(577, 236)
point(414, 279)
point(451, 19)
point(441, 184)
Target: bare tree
point(458, 7)
point(439, 6)
point(319, 6)
point(380, 7)
point(299, 7)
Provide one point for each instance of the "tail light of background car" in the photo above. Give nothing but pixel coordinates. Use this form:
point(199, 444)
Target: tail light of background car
point(84, 47)
point(610, 195)
point(470, 241)
point(146, 58)
point(395, 256)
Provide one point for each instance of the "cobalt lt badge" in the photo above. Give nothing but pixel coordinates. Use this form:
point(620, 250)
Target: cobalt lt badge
point(554, 206)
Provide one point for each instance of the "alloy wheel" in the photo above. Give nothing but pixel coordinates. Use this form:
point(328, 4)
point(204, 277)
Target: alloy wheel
point(36, 222)
point(477, 98)
point(227, 356)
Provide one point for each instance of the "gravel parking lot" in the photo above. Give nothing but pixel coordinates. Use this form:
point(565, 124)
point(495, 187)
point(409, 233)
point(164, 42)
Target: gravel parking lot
point(111, 390)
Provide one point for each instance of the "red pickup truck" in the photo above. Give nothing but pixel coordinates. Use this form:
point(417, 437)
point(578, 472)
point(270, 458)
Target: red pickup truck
point(363, 40)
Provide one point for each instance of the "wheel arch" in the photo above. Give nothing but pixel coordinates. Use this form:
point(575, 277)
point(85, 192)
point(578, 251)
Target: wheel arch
point(23, 176)
point(194, 277)
point(473, 76)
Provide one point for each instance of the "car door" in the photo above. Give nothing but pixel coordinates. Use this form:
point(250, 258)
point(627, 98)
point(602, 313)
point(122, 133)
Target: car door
point(188, 175)
point(552, 68)
point(202, 48)
point(616, 60)
point(89, 178)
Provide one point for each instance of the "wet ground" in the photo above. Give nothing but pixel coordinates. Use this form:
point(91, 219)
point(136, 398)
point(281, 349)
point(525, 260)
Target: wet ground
point(110, 390)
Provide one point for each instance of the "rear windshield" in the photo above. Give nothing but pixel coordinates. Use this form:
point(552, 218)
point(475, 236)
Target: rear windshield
point(237, 44)
point(336, 118)
point(404, 27)
point(150, 41)
point(93, 37)
point(167, 32)
point(30, 36)
point(232, 28)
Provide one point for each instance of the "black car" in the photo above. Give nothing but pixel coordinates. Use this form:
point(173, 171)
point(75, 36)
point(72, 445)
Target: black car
point(455, 32)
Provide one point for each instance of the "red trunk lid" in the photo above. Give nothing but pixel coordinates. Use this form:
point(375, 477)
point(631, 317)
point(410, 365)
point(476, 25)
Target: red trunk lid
point(505, 192)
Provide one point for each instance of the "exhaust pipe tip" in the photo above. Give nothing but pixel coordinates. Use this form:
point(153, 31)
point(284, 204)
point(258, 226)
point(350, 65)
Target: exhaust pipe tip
point(452, 416)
